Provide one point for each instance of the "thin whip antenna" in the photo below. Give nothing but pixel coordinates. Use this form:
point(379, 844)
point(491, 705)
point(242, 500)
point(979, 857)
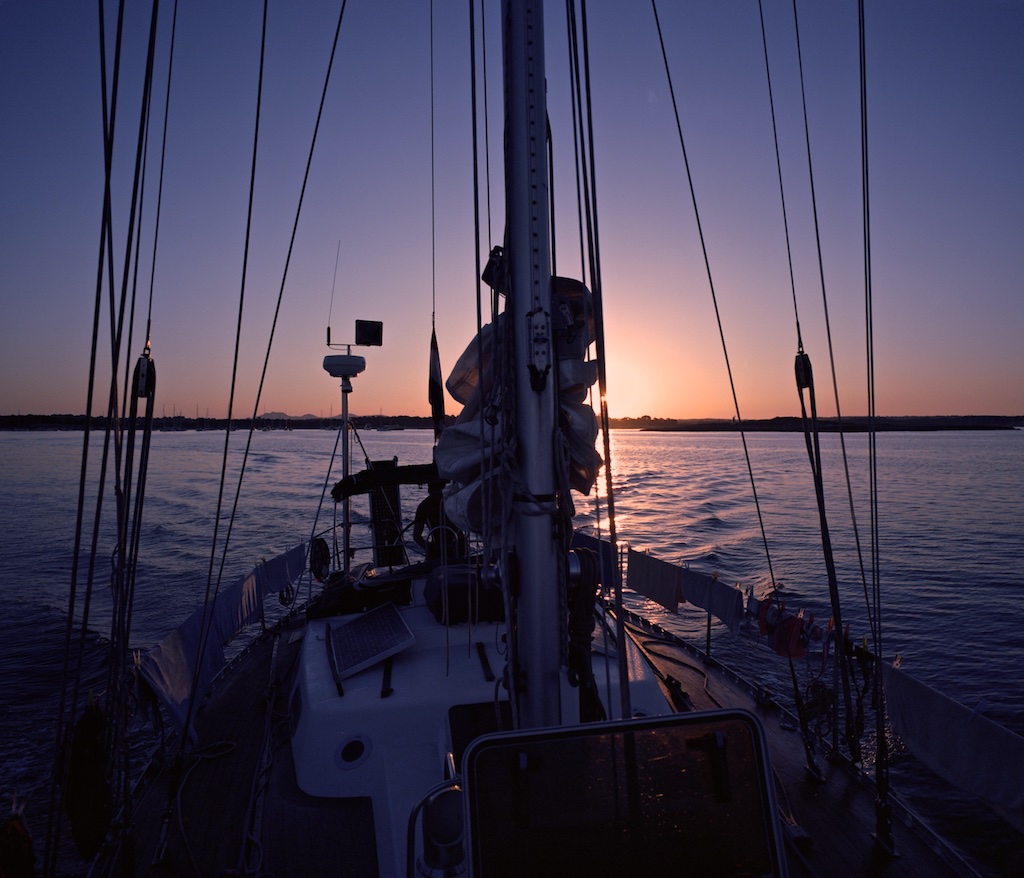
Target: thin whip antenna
point(334, 284)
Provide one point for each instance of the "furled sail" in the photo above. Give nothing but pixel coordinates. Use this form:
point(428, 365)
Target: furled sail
point(469, 452)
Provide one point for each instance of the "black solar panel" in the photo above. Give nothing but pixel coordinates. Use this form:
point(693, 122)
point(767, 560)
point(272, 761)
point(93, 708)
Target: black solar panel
point(362, 641)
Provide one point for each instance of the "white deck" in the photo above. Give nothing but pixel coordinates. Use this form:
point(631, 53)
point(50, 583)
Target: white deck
point(394, 748)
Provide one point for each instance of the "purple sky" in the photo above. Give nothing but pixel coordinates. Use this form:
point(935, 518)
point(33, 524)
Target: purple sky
point(946, 127)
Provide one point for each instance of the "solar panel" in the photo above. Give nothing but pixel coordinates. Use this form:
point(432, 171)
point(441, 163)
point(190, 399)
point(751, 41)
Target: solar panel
point(362, 641)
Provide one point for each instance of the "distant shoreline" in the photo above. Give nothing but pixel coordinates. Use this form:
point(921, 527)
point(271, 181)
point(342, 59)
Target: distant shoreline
point(910, 423)
point(279, 421)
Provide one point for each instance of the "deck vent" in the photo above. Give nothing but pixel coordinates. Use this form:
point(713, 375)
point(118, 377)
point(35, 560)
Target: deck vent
point(352, 752)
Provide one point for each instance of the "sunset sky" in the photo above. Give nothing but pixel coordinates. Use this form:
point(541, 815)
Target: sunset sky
point(946, 142)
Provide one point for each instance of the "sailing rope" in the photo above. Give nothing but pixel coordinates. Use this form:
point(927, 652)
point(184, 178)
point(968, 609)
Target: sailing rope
point(803, 373)
point(797, 693)
point(808, 745)
point(883, 808)
point(714, 295)
point(141, 386)
point(586, 179)
point(84, 790)
point(828, 323)
point(492, 430)
point(210, 596)
point(808, 748)
point(610, 579)
point(277, 308)
point(805, 382)
point(213, 587)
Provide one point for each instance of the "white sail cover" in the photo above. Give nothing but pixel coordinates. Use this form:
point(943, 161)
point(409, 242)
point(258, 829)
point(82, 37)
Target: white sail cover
point(960, 745)
point(656, 579)
point(170, 666)
point(668, 584)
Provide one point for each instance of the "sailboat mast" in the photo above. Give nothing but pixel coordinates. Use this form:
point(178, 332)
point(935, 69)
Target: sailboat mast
point(537, 567)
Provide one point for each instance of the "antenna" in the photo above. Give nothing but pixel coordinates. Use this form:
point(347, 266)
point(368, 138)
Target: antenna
point(346, 366)
point(369, 333)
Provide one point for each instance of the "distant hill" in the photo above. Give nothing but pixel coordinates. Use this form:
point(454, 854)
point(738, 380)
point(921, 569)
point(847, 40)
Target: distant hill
point(282, 416)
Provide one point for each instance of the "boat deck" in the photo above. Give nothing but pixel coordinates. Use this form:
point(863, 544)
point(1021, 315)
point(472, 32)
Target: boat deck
point(220, 819)
point(214, 821)
point(808, 805)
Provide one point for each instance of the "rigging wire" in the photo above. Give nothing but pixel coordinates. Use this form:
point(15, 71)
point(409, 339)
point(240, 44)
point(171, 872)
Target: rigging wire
point(163, 160)
point(141, 386)
point(610, 574)
point(435, 388)
point(210, 597)
point(487, 140)
point(714, 297)
point(212, 589)
point(489, 435)
point(67, 711)
point(495, 424)
point(208, 616)
point(883, 809)
point(711, 286)
point(828, 331)
point(811, 433)
point(587, 160)
point(53, 824)
point(129, 522)
point(782, 188)
point(118, 309)
point(828, 324)
point(798, 697)
point(140, 382)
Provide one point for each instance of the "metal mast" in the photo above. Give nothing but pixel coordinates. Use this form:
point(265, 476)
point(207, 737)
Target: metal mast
point(537, 568)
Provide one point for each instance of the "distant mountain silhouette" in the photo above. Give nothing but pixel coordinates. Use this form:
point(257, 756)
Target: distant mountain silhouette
point(282, 416)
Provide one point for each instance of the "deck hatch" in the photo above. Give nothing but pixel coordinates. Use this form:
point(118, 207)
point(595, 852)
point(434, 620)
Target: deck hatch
point(648, 796)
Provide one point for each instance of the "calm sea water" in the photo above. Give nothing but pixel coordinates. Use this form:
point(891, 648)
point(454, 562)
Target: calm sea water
point(951, 513)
